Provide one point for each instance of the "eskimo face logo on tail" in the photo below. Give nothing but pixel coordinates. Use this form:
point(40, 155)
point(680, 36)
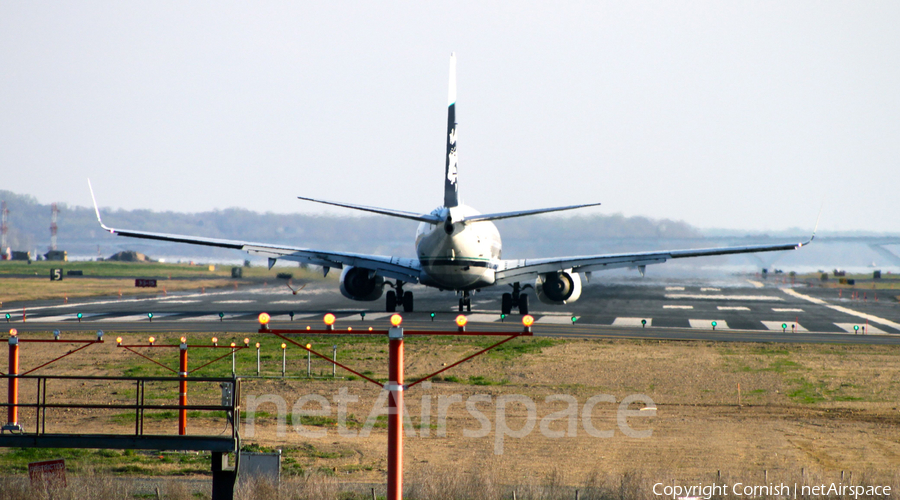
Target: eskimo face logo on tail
point(452, 159)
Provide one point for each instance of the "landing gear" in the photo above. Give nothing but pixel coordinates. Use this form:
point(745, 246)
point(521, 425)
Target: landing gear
point(465, 302)
point(506, 304)
point(515, 299)
point(408, 302)
point(398, 298)
point(523, 304)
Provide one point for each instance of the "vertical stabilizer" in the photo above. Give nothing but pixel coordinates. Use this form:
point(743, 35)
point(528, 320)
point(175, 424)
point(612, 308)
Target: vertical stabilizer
point(451, 187)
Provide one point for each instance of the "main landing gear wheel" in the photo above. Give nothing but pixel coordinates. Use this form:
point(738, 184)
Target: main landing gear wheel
point(523, 304)
point(408, 302)
point(506, 304)
point(391, 302)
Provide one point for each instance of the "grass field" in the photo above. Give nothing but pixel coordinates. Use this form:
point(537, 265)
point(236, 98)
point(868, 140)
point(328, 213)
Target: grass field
point(743, 410)
point(20, 281)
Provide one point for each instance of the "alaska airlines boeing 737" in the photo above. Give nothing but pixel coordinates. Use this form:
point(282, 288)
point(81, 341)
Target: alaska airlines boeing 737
point(457, 249)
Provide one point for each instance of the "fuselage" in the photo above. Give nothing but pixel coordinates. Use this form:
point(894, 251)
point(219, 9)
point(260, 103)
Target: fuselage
point(462, 259)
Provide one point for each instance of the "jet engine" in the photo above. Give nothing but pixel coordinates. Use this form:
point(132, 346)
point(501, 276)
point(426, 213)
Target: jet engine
point(558, 287)
point(356, 284)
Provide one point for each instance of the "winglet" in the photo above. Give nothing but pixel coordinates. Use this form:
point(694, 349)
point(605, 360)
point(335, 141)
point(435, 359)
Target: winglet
point(97, 209)
point(815, 228)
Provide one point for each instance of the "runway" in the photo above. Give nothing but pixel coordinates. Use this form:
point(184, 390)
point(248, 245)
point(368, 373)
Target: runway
point(744, 310)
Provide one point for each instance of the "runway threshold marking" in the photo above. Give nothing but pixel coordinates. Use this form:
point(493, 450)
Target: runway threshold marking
point(483, 318)
point(558, 320)
point(845, 310)
point(670, 306)
point(674, 288)
point(733, 308)
point(710, 289)
point(848, 327)
point(701, 296)
point(706, 324)
point(631, 322)
point(776, 325)
point(787, 310)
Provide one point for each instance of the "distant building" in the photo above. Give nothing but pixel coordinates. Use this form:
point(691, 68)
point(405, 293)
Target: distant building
point(57, 255)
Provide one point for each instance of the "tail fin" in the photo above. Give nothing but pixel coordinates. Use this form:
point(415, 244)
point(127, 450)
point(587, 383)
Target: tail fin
point(451, 187)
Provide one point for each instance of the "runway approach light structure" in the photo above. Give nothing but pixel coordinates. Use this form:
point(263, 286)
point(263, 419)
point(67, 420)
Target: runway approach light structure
point(396, 319)
point(329, 321)
point(461, 321)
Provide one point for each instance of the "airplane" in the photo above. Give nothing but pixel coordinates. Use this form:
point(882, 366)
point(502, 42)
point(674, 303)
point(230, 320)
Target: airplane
point(457, 248)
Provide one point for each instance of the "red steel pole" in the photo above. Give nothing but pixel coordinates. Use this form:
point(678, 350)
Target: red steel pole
point(395, 415)
point(13, 392)
point(182, 389)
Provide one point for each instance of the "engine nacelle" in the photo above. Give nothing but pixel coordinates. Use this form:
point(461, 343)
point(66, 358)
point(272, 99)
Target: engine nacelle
point(357, 285)
point(558, 287)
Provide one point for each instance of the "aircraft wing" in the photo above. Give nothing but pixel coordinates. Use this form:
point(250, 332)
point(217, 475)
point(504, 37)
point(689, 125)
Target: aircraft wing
point(406, 270)
point(518, 270)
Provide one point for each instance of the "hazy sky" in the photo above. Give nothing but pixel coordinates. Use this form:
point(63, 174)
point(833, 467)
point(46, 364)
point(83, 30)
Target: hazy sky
point(721, 114)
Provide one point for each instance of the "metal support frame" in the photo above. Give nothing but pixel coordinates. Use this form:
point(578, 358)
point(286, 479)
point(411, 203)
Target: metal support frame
point(395, 384)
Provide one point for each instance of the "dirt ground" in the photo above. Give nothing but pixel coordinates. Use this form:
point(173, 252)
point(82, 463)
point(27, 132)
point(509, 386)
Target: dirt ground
point(740, 409)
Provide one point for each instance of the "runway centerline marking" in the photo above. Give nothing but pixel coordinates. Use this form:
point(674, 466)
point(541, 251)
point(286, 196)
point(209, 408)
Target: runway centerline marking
point(710, 289)
point(787, 310)
point(845, 310)
point(733, 308)
point(669, 306)
point(674, 288)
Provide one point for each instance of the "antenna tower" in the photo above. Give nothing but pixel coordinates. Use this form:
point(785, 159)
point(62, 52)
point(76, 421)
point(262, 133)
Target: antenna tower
point(54, 212)
point(4, 227)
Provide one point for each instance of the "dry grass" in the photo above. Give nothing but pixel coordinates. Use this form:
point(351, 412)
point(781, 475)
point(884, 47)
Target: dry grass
point(23, 289)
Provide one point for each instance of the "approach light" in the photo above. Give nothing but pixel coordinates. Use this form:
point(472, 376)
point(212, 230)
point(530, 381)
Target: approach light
point(329, 319)
point(13, 332)
point(215, 340)
point(118, 340)
point(308, 327)
point(283, 345)
point(233, 345)
point(100, 335)
point(349, 328)
point(184, 340)
point(370, 328)
point(396, 319)
point(55, 334)
point(152, 340)
point(264, 318)
point(246, 341)
point(257, 345)
point(461, 321)
point(528, 320)
point(308, 346)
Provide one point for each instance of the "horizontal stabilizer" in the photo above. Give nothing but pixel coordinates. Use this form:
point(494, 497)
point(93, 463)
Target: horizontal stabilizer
point(523, 213)
point(432, 219)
